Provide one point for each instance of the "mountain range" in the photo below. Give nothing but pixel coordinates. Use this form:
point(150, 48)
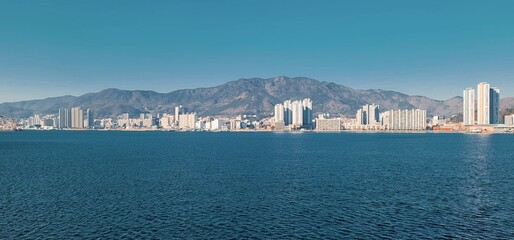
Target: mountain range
point(243, 96)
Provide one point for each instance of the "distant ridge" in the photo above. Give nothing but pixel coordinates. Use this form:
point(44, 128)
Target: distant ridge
point(243, 96)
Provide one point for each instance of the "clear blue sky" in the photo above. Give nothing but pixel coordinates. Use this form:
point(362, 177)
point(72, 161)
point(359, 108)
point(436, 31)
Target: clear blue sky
point(432, 48)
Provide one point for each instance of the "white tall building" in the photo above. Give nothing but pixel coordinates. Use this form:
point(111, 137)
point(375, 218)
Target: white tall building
point(77, 118)
point(488, 104)
point(359, 117)
point(297, 113)
point(468, 112)
point(279, 113)
point(297, 110)
point(483, 103)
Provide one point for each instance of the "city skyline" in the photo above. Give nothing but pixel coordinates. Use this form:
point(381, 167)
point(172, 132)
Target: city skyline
point(291, 115)
point(68, 48)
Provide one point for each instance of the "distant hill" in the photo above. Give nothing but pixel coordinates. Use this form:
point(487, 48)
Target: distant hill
point(507, 103)
point(243, 96)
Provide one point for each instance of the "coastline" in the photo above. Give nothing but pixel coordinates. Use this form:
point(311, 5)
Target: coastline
point(263, 130)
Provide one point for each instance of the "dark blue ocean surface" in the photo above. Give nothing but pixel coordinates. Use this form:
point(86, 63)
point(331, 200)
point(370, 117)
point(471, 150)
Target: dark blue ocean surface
point(68, 184)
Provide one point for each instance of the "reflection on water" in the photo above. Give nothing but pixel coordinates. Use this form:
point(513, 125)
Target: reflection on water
point(477, 187)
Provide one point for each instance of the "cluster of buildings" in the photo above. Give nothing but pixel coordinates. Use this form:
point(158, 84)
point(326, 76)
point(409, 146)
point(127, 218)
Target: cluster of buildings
point(482, 108)
point(298, 115)
point(75, 118)
point(7, 123)
point(369, 117)
point(289, 115)
point(67, 118)
point(293, 115)
point(180, 120)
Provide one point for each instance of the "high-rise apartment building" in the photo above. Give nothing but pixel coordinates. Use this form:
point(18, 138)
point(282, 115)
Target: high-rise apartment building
point(483, 103)
point(468, 105)
point(295, 113)
point(494, 105)
point(63, 117)
point(359, 117)
point(297, 109)
point(279, 113)
point(90, 118)
point(368, 115)
point(68, 118)
point(307, 112)
point(288, 112)
point(77, 118)
point(487, 105)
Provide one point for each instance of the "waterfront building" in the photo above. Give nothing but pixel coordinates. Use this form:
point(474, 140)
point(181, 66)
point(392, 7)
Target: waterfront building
point(358, 117)
point(407, 119)
point(307, 112)
point(509, 120)
point(214, 124)
point(483, 103)
point(288, 112)
point(90, 118)
point(369, 114)
point(468, 112)
point(179, 110)
point(123, 120)
point(77, 118)
point(187, 121)
point(35, 121)
point(494, 105)
point(145, 120)
point(31, 121)
point(279, 113)
point(384, 118)
point(298, 113)
point(68, 118)
point(63, 118)
point(488, 105)
point(328, 124)
point(167, 121)
point(297, 110)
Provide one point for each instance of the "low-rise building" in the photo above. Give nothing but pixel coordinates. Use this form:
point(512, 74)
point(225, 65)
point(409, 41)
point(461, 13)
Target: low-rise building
point(328, 124)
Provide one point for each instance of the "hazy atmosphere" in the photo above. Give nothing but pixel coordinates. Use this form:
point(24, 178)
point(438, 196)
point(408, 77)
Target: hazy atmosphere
point(55, 48)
